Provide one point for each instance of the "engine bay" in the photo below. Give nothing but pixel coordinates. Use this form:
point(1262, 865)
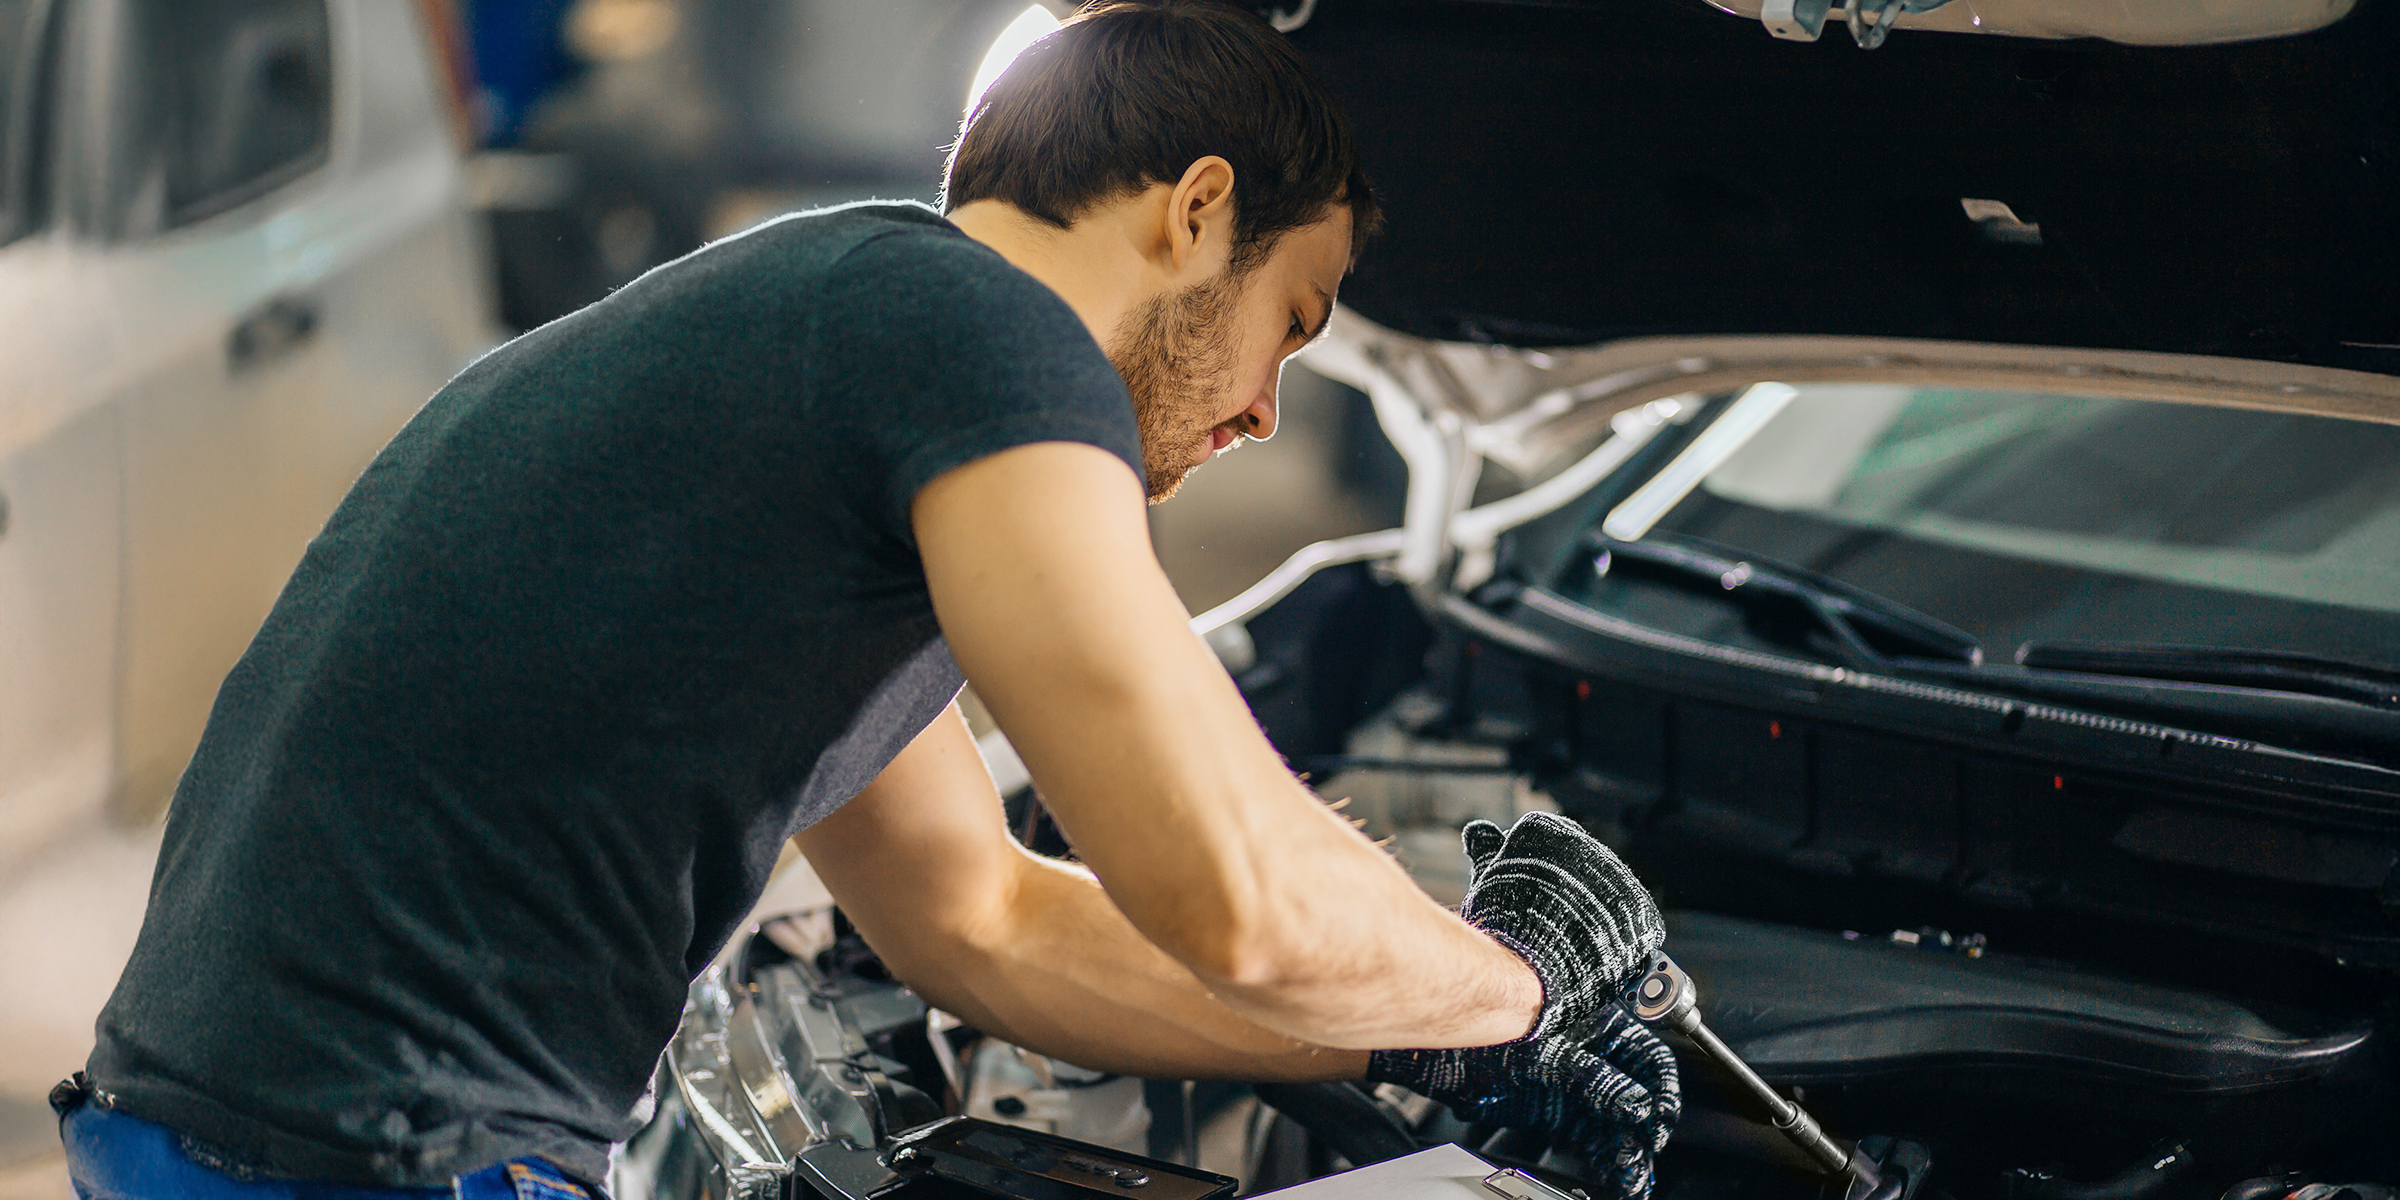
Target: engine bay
point(2081, 922)
point(1974, 1068)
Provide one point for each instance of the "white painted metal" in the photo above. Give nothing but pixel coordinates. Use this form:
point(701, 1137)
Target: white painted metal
point(2134, 22)
point(230, 472)
point(155, 501)
point(158, 498)
point(1446, 407)
point(1278, 583)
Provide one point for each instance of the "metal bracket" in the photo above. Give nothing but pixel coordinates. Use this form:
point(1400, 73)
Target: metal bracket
point(1514, 1184)
point(1870, 21)
point(1286, 20)
point(1794, 20)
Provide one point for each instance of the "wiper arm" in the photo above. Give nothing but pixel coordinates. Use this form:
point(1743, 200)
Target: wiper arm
point(2267, 670)
point(1870, 630)
point(2322, 703)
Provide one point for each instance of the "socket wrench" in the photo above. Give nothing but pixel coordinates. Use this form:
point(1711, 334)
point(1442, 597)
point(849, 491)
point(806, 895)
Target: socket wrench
point(1664, 995)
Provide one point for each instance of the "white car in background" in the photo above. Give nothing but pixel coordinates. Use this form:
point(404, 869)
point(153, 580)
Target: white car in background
point(235, 257)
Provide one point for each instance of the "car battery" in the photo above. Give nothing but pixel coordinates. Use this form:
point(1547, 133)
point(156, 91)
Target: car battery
point(965, 1156)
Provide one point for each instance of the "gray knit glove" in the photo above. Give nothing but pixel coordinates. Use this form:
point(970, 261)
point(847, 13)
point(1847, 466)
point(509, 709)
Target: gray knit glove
point(1569, 907)
point(1587, 1073)
point(1613, 1100)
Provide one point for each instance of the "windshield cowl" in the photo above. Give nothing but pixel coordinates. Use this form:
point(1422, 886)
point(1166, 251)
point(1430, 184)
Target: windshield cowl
point(2294, 720)
point(2303, 702)
point(2267, 670)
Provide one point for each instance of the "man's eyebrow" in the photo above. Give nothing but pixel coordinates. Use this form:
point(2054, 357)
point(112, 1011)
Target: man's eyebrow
point(1319, 329)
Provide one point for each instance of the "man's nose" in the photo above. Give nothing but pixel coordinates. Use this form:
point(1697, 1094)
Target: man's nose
point(1258, 421)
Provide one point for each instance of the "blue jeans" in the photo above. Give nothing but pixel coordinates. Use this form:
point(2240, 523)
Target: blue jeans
point(118, 1156)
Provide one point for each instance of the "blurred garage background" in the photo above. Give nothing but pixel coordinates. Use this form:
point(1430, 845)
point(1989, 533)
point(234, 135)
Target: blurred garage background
point(241, 241)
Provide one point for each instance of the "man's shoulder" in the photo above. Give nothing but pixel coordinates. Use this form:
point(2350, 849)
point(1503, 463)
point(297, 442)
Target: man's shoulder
point(826, 237)
point(852, 222)
point(876, 259)
point(934, 285)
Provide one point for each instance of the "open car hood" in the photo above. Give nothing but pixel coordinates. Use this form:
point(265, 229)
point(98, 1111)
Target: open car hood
point(1581, 173)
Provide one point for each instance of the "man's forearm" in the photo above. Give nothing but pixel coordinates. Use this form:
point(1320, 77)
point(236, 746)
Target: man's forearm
point(1040, 567)
point(1363, 958)
point(1284, 911)
point(1062, 972)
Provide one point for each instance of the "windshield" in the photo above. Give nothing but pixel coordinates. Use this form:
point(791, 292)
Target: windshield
point(2022, 518)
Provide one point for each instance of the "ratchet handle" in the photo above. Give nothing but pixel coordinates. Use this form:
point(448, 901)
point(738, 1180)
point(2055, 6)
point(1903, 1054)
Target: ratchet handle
point(1664, 995)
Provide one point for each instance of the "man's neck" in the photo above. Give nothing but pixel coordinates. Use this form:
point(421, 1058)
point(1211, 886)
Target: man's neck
point(1099, 266)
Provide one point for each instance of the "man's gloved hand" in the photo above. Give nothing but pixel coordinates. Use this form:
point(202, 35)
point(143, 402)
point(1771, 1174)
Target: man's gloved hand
point(1587, 1072)
point(1614, 1099)
point(1569, 907)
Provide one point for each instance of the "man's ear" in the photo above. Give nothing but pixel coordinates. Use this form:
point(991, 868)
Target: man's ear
point(1200, 219)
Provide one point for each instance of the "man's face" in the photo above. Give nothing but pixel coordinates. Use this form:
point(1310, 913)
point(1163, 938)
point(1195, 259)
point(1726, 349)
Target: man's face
point(1202, 363)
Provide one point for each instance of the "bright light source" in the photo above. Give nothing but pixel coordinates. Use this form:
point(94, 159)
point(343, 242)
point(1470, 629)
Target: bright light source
point(1031, 26)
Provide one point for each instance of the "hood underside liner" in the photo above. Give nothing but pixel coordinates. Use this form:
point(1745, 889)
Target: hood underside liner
point(1561, 175)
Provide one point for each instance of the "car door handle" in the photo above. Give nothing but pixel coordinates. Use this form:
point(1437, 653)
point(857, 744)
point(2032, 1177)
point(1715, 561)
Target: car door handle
point(271, 331)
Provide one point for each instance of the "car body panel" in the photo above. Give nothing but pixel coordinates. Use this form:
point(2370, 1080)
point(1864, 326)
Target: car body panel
point(1539, 402)
point(218, 386)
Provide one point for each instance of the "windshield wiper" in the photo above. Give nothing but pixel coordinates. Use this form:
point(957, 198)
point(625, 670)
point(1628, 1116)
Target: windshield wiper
point(2266, 670)
point(2308, 701)
point(1869, 632)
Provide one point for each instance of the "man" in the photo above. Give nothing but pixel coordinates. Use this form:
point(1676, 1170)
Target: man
point(657, 586)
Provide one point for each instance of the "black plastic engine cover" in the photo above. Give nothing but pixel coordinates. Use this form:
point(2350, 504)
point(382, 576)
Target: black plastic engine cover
point(1806, 1007)
point(1999, 1062)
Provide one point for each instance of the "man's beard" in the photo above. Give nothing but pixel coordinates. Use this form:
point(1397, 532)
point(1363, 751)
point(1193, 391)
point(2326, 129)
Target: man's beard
point(1175, 352)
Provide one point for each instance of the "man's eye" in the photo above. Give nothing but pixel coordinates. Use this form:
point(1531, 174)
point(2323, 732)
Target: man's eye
point(1297, 330)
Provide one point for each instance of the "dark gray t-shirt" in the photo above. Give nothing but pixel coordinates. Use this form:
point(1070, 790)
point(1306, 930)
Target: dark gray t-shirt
point(631, 601)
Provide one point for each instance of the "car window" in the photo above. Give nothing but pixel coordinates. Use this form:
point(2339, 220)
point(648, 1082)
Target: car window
point(2021, 517)
point(20, 61)
point(232, 99)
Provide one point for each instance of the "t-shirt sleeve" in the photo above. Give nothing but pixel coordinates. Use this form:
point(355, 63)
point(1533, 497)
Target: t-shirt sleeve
point(930, 351)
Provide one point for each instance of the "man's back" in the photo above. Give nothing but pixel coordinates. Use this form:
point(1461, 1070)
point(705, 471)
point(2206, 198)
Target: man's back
point(630, 602)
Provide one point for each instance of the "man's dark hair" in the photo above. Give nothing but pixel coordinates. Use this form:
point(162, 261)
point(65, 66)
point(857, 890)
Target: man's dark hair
point(1130, 93)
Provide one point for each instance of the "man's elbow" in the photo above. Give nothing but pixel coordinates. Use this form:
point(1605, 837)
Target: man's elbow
point(1277, 983)
point(1242, 965)
point(1234, 950)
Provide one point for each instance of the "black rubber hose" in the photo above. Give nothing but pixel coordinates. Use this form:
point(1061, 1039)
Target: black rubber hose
point(2165, 1163)
point(2266, 1187)
point(1342, 1117)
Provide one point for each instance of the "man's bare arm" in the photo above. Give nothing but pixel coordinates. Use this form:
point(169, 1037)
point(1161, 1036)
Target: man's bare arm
point(1042, 573)
point(1026, 948)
